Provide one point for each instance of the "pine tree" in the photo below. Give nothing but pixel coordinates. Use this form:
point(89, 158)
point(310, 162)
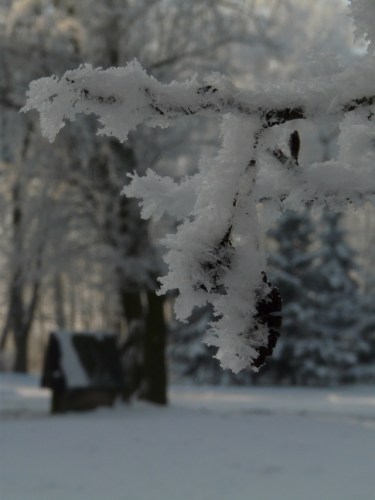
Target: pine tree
point(334, 348)
point(365, 371)
point(291, 262)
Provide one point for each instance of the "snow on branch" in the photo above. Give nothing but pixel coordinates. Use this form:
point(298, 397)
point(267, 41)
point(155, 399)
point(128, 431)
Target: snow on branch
point(162, 195)
point(215, 256)
point(123, 98)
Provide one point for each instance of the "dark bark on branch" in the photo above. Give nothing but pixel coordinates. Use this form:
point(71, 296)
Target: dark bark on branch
point(211, 101)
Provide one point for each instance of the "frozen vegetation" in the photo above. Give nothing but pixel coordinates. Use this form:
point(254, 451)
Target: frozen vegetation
point(224, 266)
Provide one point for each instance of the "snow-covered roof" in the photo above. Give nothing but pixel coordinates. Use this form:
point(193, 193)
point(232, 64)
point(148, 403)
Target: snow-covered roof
point(83, 360)
point(74, 372)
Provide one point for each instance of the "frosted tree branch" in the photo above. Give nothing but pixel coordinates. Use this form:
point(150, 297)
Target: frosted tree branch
point(216, 254)
point(131, 92)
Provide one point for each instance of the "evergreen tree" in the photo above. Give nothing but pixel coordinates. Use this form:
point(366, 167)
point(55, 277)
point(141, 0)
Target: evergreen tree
point(365, 371)
point(291, 262)
point(334, 347)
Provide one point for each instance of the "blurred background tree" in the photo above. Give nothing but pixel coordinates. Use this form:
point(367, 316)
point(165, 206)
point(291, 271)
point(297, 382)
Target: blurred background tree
point(291, 264)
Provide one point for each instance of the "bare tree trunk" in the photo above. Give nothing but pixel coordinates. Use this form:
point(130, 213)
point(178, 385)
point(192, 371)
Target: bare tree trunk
point(132, 349)
point(5, 331)
point(144, 350)
point(147, 335)
point(132, 307)
point(16, 299)
point(21, 319)
point(72, 307)
point(21, 314)
point(58, 288)
point(16, 323)
point(155, 369)
point(21, 362)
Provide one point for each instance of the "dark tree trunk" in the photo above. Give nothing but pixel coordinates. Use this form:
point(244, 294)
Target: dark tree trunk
point(132, 349)
point(16, 310)
point(147, 333)
point(20, 321)
point(155, 368)
point(20, 311)
point(58, 289)
point(20, 362)
point(144, 349)
point(17, 314)
point(132, 307)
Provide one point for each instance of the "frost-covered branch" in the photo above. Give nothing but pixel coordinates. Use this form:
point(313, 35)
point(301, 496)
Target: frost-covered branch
point(123, 98)
point(216, 254)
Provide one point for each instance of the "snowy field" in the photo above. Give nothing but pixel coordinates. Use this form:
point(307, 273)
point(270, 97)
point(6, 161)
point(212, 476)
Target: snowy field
point(209, 444)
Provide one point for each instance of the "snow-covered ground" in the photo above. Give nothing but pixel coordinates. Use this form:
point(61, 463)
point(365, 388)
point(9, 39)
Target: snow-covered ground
point(209, 444)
